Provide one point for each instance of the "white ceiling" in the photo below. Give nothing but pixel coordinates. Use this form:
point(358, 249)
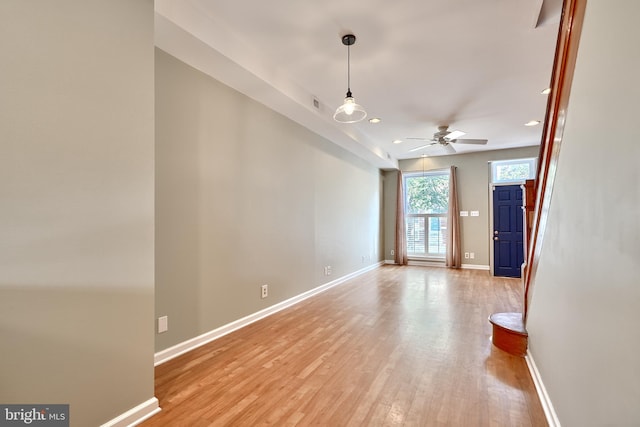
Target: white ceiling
point(478, 66)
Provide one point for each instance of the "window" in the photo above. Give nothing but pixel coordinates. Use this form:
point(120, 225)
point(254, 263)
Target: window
point(513, 170)
point(426, 198)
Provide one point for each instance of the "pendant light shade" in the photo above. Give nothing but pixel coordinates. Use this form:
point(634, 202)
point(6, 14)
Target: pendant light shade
point(349, 111)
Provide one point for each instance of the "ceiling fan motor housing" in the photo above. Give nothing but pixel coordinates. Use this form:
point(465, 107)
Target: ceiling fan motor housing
point(442, 132)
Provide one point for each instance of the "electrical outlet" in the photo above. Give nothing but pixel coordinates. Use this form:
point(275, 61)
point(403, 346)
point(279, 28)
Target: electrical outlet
point(393, 252)
point(163, 324)
point(265, 291)
point(466, 255)
point(328, 270)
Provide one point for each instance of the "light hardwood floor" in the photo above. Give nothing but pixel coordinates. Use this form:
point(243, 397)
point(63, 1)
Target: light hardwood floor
point(395, 346)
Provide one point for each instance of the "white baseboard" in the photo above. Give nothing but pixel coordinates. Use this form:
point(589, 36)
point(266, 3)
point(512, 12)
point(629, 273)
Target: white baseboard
point(547, 406)
point(135, 416)
point(389, 261)
point(442, 264)
point(190, 344)
point(425, 263)
point(475, 267)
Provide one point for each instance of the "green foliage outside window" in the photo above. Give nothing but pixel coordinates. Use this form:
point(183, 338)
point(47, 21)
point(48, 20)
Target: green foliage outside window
point(427, 194)
point(519, 171)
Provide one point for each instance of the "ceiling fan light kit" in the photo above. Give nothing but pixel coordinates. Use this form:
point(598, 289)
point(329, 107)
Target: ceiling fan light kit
point(349, 111)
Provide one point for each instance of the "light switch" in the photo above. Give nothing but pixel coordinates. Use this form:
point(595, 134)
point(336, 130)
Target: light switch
point(475, 213)
point(464, 213)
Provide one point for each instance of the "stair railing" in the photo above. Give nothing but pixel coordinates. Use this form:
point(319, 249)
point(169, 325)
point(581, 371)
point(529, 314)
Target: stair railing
point(561, 79)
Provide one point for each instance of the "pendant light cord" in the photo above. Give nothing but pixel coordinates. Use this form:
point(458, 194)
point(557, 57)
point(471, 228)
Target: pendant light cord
point(348, 68)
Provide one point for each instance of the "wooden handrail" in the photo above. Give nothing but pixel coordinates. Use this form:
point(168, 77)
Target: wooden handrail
point(561, 79)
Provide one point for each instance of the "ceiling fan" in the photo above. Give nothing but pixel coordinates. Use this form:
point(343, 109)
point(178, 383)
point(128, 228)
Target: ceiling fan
point(445, 138)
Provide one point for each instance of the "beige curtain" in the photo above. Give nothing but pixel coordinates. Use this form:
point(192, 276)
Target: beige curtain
point(454, 252)
point(401, 237)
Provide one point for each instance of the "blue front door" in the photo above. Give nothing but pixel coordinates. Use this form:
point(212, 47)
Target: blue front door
point(508, 249)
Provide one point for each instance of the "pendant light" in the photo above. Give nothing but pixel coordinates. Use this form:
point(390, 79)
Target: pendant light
point(349, 111)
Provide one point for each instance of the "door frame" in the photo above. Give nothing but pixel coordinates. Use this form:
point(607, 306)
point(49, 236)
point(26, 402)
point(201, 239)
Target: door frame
point(492, 187)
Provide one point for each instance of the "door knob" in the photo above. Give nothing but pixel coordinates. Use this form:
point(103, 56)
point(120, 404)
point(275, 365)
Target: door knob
point(495, 232)
point(496, 238)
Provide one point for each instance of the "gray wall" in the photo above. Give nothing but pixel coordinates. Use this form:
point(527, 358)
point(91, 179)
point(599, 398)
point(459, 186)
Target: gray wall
point(585, 311)
point(76, 184)
point(245, 197)
point(473, 173)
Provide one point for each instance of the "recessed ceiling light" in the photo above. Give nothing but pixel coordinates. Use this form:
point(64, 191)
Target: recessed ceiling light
point(532, 123)
point(547, 91)
point(375, 120)
point(397, 141)
point(424, 155)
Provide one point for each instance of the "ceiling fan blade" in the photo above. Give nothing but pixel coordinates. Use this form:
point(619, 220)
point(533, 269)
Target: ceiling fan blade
point(418, 139)
point(422, 147)
point(470, 141)
point(455, 134)
point(448, 148)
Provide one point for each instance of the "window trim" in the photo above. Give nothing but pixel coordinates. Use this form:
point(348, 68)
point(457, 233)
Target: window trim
point(532, 161)
point(419, 174)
